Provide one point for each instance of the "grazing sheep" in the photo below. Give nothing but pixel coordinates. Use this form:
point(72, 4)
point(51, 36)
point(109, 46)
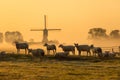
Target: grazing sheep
point(21, 46)
point(2, 54)
point(50, 47)
point(96, 50)
point(109, 54)
point(68, 48)
point(112, 54)
point(37, 52)
point(83, 48)
point(61, 54)
point(116, 53)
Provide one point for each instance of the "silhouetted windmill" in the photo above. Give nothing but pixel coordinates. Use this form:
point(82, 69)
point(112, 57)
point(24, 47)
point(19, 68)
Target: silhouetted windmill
point(45, 31)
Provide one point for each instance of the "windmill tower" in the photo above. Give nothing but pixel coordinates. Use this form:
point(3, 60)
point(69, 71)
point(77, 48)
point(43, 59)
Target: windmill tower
point(45, 31)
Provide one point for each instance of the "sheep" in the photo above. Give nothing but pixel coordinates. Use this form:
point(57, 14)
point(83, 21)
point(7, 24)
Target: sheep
point(21, 46)
point(116, 53)
point(2, 54)
point(50, 47)
point(37, 53)
point(83, 48)
point(109, 54)
point(61, 54)
point(68, 48)
point(96, 50)
point(112, 54)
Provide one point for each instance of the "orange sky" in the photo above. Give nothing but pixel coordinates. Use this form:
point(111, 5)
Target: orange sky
point(74, 17)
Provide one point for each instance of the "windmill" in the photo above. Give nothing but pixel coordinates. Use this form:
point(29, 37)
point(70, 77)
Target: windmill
point(45, 31)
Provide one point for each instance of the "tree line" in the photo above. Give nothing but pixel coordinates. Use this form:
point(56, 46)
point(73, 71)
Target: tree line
point(100, 33)
point(93, 33)
point(10, 37)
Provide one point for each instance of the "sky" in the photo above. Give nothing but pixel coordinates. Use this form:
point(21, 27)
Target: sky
point(74, 17)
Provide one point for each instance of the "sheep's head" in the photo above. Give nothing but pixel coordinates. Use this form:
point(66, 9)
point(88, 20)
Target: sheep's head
point(45, 44)
point(92, 46)
point(60, 45)
point(29, 51)
point(76, 44)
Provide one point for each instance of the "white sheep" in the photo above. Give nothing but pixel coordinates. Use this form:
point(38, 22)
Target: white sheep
point(109, 54)
point(50, 47)
point(83, 48)
point(37, 53)
point(97, 50)
point(68, 48)
point(2, 54)
point(61, 54)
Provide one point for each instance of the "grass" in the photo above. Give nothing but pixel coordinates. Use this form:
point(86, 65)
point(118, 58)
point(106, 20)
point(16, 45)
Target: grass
point(22, 67)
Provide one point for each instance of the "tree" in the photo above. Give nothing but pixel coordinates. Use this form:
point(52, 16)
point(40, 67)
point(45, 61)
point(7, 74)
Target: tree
point(10, 37)
point(96, 33)
point(115, 34)
point(1, 37)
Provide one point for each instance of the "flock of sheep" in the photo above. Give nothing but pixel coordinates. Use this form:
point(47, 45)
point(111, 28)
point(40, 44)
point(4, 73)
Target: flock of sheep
point(66, 49)
point(97, 51)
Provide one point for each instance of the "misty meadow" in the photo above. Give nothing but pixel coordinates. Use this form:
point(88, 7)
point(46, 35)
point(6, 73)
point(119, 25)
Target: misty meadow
point(58, 65)
point(59, 39)
point(20, 66)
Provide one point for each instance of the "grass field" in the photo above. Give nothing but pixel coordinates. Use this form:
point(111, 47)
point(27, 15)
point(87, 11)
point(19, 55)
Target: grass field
point(21, 67)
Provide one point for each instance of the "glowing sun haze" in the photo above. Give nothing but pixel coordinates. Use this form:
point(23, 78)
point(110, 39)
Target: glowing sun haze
point(74, 17)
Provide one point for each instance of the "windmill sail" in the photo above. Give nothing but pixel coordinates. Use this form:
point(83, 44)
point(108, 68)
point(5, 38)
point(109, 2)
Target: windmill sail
point(53, 29)
point(36, 29)
point(45, 31)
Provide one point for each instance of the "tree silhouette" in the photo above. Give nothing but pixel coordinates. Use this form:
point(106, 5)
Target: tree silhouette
point(96, 33)
point(10, 37)
point(115, 34)
point(1, 37)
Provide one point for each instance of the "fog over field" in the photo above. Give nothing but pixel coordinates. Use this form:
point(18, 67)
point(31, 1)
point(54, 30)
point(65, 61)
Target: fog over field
point(74, 17)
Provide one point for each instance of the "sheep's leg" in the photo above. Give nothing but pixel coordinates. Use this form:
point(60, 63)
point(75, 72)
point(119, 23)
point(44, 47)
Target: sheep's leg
point(90, 53)
point(100, 55)
point(48, 52)
point(87, 53)
point(28, 52)
point(53, 52)
point(73, 52)
point(79, 53)
point(25, 51)
point(18, 50)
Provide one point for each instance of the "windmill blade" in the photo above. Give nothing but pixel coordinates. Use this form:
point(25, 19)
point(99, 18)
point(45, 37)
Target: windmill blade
point(36, 29)
point(54, 29)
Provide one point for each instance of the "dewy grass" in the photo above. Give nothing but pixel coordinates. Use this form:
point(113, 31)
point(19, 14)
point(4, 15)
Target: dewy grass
point(21, 67)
